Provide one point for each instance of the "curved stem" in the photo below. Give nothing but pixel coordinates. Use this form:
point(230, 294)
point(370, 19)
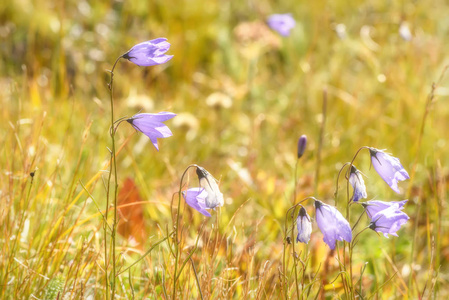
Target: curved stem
point(338, 178)
point(176, 230)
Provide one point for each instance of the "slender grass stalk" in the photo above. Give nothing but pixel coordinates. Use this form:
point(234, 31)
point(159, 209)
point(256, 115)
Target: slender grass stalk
point(428, 104)
point(146, 253)
point(320, 141)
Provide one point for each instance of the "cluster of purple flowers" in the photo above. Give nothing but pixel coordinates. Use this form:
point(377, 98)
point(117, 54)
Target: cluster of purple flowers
point(385, 217)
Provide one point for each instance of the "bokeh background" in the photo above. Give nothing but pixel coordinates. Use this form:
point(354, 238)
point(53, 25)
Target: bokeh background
point(243, 95)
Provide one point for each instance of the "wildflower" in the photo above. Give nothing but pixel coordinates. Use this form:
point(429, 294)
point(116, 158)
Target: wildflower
point(302, 142)
point(151, 125)
point(358, 184)
point(304, 225)
point(332, 224)
point(388, 167)
point(149, 53)
point(404, 32)
point(389, 220)
point(196, 198)
point(282, 23)
point(374, 206)
point(209, 183)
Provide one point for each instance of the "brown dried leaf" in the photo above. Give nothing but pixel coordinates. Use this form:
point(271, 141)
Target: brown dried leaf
point(131, 225)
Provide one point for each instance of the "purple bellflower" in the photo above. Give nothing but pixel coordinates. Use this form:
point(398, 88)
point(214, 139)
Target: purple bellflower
point(358, 184)
point(389, 220)
point(196, 198)
point(151, 125)
point(302, 142)
point(209, 184)
point(332, 224)
point(282, 23)
point(149, 53)
point(388, 167)
point(374, 206)
point(304, 225)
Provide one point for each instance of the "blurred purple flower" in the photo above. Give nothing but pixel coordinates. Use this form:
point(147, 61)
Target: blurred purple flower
point(374, 206)
point(149, 53)
point(302, 142)
point(389, 220)
point(332, 224)
point(196, 198)
point(282, 23)
point(209, 183)
point(151, 125)
point(388, 167)
point(358, 184)
point(304, 225)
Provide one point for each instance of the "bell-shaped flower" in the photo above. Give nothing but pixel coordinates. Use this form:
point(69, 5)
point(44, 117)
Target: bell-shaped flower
point(358, 184)
point(389, 220)
point(302, 142)
point(388, 167)
point(149, 53)
point(332, 224)
point(304, 225)
point(282, 23)
point(196, 198)
point(151, 125)
point(374, 206)
point(209, 183)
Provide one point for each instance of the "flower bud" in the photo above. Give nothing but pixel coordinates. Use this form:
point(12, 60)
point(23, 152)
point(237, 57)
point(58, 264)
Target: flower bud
point(302, 142)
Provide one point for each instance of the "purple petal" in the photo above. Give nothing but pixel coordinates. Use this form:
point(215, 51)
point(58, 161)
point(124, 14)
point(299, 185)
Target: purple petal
point(389, 221)
point(209, 183)
point(332, 224)
point(151, 125)
point(389, 168)
point(195, 198)
point(149, 53)
point(374, 206)
point(358, 184)
point(282, 23)
point(304, 226)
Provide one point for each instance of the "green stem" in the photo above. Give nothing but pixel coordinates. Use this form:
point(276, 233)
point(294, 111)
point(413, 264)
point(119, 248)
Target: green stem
point(112, 168)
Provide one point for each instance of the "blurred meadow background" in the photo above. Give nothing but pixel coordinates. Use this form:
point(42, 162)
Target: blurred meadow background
point(243, 96)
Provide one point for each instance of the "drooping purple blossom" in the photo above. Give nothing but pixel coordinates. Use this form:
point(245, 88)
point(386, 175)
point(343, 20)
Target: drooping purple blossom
point(209, 183)
point(151, 125)
point(374, 206)
point(358, 184)
point(332, 224)
point(149, 53)
point(302, 143)
point(304, 225)
point(389, 220)
point(196, 198)
point(282, 23)
point(388, 167)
